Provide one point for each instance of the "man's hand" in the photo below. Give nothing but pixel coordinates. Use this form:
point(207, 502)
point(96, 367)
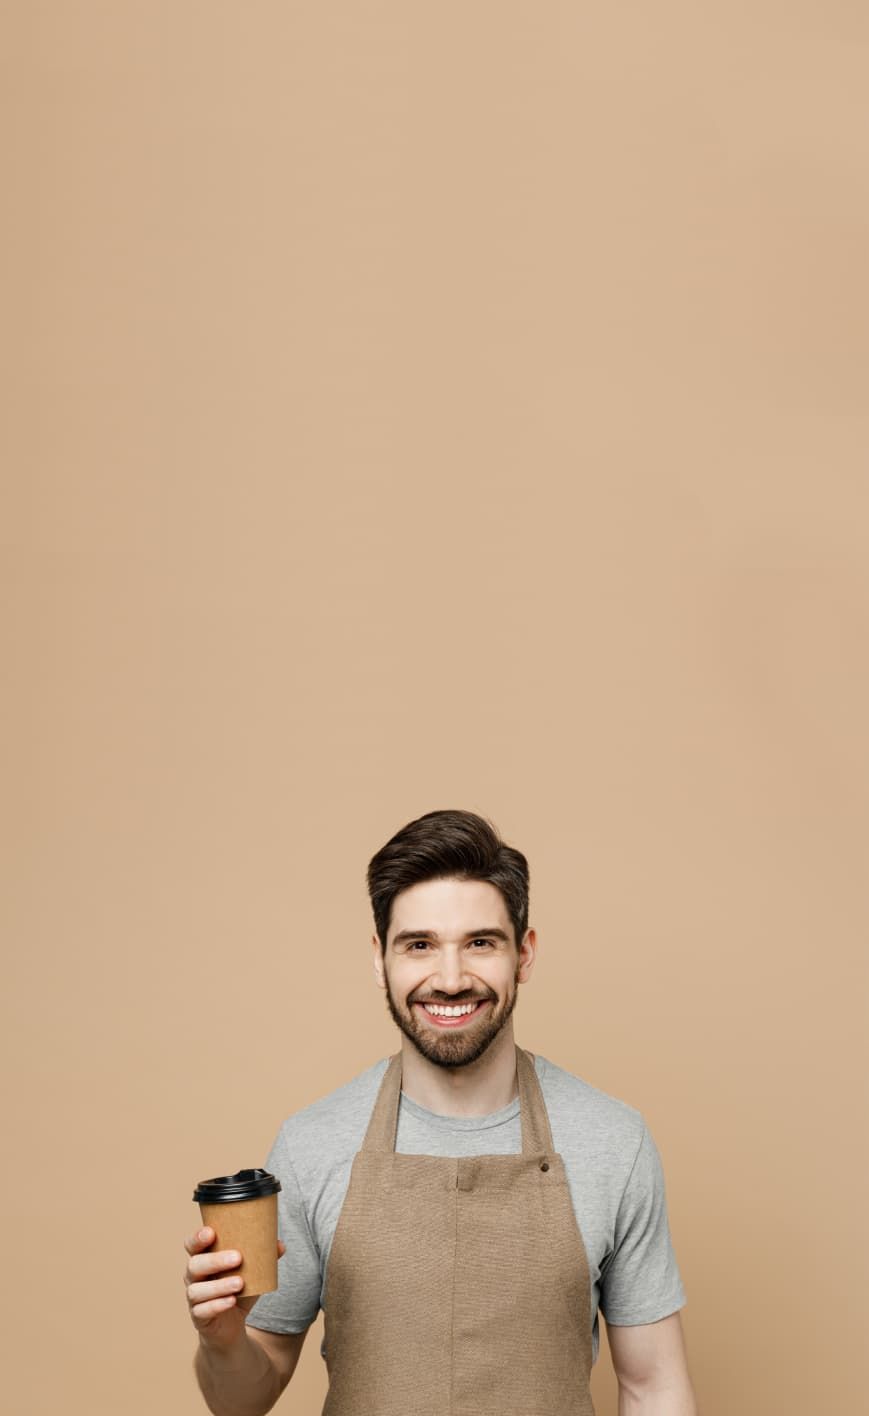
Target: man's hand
point(212, 1290)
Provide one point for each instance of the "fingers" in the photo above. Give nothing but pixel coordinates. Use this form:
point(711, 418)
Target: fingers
point(199, 1241)
point(210, 1286)
point(208, 1298)
point(203, 1313)
point(208, 1265)
point(210, 1289)
point(204, 1267)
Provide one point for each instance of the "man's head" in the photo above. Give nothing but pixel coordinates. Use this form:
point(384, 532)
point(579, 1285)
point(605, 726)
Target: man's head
point(450, 903)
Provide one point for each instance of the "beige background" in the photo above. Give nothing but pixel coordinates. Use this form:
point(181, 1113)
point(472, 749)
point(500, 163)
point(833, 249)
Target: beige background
point(415, 406)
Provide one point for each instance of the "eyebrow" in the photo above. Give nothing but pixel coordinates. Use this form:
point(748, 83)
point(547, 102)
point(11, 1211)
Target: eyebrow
point(405, 934)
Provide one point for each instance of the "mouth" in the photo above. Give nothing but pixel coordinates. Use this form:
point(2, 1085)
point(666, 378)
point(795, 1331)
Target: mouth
point(451, 1019)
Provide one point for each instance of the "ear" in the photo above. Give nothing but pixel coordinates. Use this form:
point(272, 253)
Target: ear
point(378, 961)
point(527, 955)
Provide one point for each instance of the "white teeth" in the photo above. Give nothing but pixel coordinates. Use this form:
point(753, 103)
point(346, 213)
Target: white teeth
point(449, 1012)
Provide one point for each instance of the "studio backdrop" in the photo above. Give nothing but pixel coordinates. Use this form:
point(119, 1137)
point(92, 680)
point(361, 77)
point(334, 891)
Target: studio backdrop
point(417, 406)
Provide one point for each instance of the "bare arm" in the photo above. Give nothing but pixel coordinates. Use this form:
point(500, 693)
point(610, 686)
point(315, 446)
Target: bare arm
point(248, 1379)
point(651, 1365)
point(241, 1370)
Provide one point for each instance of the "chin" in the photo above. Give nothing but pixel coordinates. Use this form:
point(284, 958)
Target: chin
point(449, 1057)
point(446, 1050)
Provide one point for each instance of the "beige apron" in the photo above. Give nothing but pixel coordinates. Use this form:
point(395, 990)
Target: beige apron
point(458, 1287)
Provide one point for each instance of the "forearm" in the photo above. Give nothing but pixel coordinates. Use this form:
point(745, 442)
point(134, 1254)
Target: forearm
point(675, 1399)
point(242, 1382)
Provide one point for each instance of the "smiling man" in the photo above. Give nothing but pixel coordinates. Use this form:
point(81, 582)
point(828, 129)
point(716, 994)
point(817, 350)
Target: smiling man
point(462, 1210)
point(451, 975)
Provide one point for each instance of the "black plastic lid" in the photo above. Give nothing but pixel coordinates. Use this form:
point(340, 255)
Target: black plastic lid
point(243, 1185)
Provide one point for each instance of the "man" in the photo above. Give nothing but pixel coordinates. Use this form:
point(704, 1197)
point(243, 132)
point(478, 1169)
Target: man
point(461, 1210)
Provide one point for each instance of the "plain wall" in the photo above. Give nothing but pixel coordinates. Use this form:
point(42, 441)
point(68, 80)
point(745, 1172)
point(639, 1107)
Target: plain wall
point(415, 407)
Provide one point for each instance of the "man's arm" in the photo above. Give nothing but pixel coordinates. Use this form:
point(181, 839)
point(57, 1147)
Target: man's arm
point(240, 1369)
point(248, 1378)
point(652, 1369)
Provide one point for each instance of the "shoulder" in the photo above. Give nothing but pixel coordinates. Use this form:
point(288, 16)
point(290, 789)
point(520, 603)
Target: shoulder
point(585, 1119)
point(334, 1124)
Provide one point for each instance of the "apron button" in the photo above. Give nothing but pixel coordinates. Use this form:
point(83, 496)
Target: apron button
point(545, 1165)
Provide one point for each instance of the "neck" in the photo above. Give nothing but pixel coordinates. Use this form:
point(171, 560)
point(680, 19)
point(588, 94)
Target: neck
point(484, 1086)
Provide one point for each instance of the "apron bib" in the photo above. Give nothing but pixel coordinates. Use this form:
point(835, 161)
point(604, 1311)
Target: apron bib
point(458, 1286)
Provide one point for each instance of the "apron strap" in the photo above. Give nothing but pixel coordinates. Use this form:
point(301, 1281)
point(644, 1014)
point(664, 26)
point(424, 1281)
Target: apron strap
point(380, 1135)
point(536, 1134)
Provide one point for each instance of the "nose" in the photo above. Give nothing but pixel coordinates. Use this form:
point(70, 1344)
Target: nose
point(452, 975)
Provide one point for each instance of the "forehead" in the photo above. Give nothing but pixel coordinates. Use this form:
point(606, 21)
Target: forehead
point(449, 906)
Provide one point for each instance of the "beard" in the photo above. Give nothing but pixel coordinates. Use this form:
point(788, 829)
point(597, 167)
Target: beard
point(457, 1047)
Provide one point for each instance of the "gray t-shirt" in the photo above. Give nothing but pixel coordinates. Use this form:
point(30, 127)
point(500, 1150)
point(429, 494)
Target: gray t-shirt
point(614, 1176)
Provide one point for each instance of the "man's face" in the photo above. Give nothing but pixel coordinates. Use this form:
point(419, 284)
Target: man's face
point(451, 943)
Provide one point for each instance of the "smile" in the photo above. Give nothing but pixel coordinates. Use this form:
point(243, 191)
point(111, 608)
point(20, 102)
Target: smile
point(451, 1017)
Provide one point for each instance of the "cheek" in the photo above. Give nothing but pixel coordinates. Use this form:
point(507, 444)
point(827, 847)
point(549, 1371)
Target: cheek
point(404, 980)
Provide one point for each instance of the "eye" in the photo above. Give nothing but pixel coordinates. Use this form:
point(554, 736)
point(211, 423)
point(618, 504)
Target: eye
point(487, 942)
point(423, 943)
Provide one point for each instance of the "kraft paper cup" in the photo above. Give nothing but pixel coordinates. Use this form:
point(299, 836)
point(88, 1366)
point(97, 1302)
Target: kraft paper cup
point(242, 1209)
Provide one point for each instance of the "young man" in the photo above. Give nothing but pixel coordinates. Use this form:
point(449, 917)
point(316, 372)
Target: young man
point(463, 1209)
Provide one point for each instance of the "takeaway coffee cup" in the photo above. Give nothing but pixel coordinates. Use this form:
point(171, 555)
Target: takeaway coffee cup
point(242, 1209)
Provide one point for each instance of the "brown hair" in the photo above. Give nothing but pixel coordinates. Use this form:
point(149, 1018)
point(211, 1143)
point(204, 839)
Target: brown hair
point(448, 843)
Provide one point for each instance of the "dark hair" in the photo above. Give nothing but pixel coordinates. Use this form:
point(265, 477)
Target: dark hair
point(442, 844)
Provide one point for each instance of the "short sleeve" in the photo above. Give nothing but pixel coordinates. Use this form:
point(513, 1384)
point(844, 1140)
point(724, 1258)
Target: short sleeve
point(640, 1280)
point(296, 1303)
